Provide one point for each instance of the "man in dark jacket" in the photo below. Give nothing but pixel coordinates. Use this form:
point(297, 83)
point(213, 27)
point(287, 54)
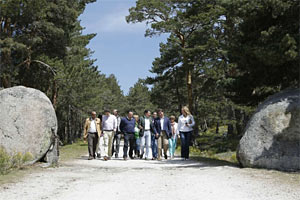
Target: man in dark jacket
point(146, 131)
point(117, 136)
point(163, 132)
point(127, 128)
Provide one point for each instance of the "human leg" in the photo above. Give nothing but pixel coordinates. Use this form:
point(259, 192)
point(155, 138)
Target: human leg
point(126, 143)
point(183, 144)
point(153, 146)
point(165, 144)
point(147, 143)
point(110, 135)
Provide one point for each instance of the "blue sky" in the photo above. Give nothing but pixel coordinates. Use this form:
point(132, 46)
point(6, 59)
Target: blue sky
point(120, 48)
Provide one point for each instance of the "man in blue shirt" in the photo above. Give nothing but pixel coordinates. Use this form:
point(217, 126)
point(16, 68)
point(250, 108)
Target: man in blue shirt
point(127, 128)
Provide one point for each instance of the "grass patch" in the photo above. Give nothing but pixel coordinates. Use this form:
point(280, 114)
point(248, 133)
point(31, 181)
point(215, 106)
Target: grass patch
point(210, 141)
point(72, 151)
point(214, 146)
point(12, 168)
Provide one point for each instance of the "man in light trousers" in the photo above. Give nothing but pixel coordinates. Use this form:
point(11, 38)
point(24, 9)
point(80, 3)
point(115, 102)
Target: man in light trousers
point(146, 129)
point(109, 127)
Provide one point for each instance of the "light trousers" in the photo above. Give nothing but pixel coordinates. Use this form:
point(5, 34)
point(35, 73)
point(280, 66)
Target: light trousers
point(146, 141)
point(172, 145)
point(106, 144)
point(162, 142)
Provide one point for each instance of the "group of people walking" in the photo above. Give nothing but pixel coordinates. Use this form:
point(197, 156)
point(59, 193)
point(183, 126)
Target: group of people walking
point(153, 131)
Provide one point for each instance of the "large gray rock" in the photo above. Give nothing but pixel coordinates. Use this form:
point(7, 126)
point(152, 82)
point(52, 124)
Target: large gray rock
point(272, 136)
point(28, 123)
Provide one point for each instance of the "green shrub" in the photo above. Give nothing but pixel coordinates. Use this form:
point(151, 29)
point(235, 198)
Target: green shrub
point(17, 160)
point(5, 163)
point(27, 157)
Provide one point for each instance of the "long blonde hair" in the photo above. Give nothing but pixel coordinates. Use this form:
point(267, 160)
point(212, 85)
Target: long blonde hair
point(186, 110)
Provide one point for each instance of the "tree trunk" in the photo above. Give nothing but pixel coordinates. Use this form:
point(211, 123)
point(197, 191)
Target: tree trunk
point(54, 94)
point(190, 89)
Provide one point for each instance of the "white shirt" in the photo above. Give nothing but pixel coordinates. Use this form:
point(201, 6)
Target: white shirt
point(93, 127)
point(175, 130)
point(109, 123)
point(182, 127)
point(147, 124)
point(162, 120)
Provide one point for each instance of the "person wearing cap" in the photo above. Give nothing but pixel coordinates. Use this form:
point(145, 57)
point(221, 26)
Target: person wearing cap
point(92, 131)
point(109, 127)
point(117, 135)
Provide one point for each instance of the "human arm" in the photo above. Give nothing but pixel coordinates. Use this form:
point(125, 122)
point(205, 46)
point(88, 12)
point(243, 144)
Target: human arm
point(191, 121)
point(85, 131)
point(115, 124)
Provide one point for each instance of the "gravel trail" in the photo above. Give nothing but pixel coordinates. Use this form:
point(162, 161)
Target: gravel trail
point(82, 179)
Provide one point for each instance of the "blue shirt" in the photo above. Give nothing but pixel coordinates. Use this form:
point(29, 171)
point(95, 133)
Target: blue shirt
point(127, 126)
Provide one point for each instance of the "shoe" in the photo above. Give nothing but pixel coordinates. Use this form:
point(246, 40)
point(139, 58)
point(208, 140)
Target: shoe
point(108, 158)
point(105, 158)
point(125, 158)
point(141, 156)
point(116, 156)
point(146, 159)
point(98, 155)
point(90, 158)
point(166, 157)
point(153, 159)
point(159, 159)
point(131, 157)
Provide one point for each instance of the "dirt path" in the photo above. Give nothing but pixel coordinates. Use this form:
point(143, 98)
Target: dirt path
point(139, 179)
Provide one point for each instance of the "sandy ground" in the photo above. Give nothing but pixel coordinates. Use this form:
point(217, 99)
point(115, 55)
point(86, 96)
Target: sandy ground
point(140, 179)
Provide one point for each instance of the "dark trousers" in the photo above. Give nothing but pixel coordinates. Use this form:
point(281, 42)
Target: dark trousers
point(117, 140)
point(92, 144)
point(129, 139)
point(185, 139)
point(154, 146)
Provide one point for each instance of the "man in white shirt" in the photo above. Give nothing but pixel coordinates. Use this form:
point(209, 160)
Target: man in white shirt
point(92, 131)
point(109, 127)
point(146, 130)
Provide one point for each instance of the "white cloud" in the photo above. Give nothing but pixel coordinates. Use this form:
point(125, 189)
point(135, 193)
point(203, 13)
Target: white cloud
point(114, 22)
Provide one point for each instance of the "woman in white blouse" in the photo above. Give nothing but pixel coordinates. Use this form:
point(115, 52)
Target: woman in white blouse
point(186, 123)
point(173, 139)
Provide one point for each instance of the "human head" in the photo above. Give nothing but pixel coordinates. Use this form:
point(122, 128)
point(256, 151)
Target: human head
point(136, 117)
point(172, 118)
point(160, 113)
point(106, 112)
point(185, 111)
point(147, 113)
point(115, 112)
point(93, 114)
point(130, 114)
point(154, 115)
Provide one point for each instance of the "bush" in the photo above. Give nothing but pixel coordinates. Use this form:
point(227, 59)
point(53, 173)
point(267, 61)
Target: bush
point(8, 162)
point(5, 163)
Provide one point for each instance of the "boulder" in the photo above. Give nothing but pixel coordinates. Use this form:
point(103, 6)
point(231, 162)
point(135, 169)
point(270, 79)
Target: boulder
point(272, 136)
point(28, 124)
